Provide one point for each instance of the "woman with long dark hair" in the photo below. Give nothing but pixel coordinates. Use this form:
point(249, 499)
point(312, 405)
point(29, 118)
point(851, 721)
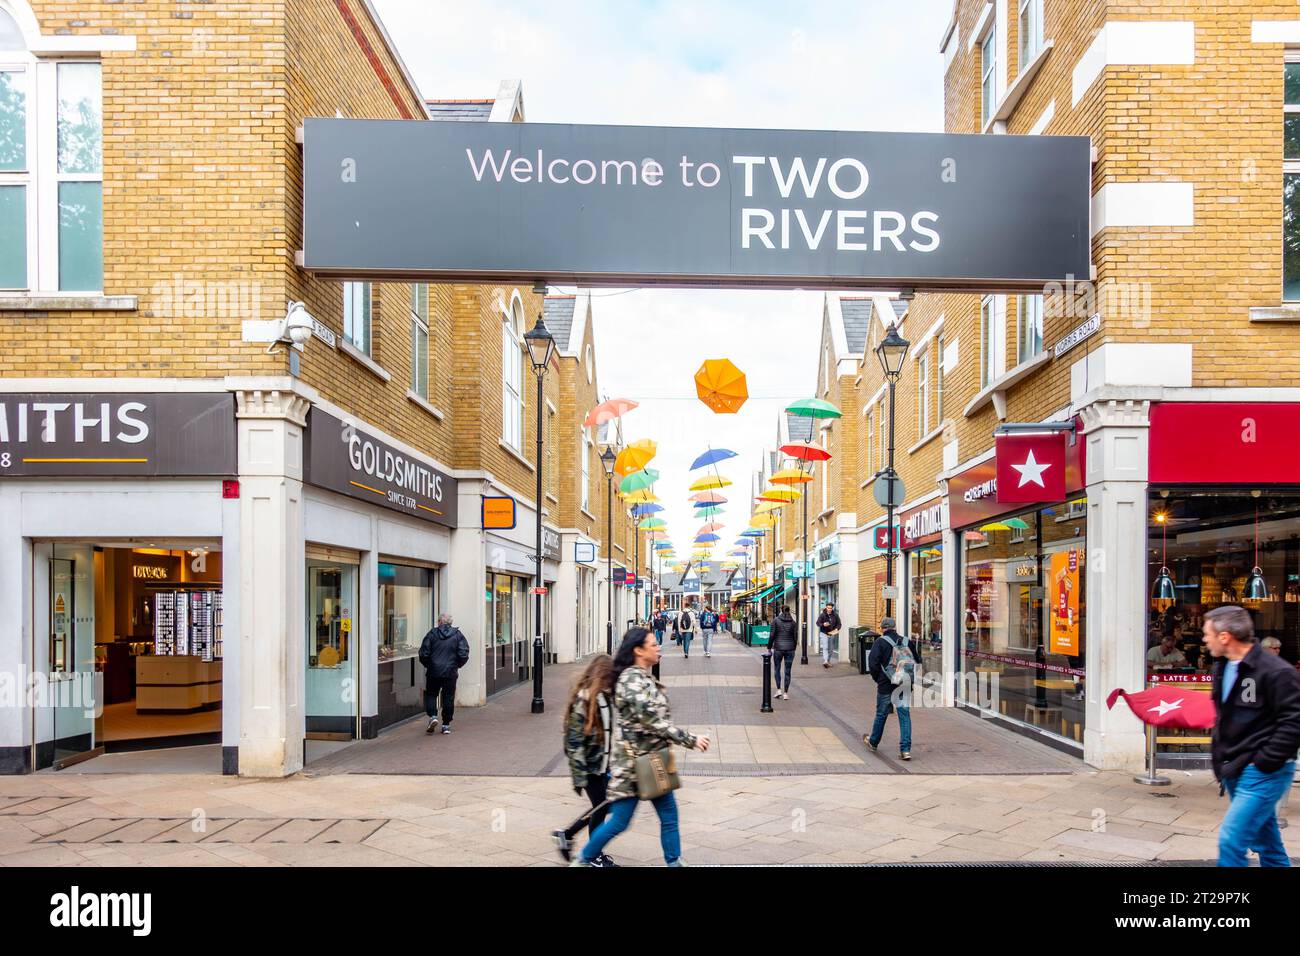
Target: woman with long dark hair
point(644, 726)
point(588, 737)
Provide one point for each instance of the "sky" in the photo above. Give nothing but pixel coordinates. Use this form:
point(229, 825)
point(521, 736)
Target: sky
point(864, 65)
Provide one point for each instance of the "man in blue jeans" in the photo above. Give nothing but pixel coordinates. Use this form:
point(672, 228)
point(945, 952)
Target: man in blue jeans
point(891, 695)
point(1256, 733)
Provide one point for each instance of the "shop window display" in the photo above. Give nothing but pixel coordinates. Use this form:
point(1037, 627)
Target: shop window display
point(405, 610)
point(925, 611)
point(1023, 617)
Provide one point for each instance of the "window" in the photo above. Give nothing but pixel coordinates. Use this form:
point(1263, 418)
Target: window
point(512, 377)
point(923, 393)
point(1030, 30)
point(988, 60)
point(880, 435)
point(420, 340)
point(51, 170)
point(987, 338)
point(871, 415)
point(1291, 185)
point(356, 315)
point(550, 451)
point(938, 383)
point(586, 471)
point(406, 606)
point(1030, 308)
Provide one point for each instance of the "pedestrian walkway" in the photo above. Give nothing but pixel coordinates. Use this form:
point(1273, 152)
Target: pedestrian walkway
point(818, 730)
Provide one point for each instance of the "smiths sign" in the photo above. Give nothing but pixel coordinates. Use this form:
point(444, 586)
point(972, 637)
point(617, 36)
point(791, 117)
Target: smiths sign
point(84, 435)
point(673, 206)
point(345, 459)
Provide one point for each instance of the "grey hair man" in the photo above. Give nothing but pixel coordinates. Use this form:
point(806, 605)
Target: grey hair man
point(443, 652)
point(892, 662)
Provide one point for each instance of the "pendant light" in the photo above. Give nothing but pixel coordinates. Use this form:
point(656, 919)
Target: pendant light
point(1256, 586)
point(1162, 592)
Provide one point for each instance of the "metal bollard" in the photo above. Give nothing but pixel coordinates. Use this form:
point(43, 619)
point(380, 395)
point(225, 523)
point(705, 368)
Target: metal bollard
point(767, 683)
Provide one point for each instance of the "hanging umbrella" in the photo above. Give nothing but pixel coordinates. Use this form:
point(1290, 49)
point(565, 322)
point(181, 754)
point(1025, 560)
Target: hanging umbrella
point(995, 526)
point(805, 452)
point(763, 521)
point(708, 512)
point(712, 457)
point(652, 524)
point(813, 408)
point(638, 480)
point(710, 497)
point(608, 411)
point(767, 506)
point(706, 538)
point(635, 457)
point(780, 494)
point(643, 497)
point(791, 476)
point(1017, 523)
point(721, 386)
point(709, 482)
point(663, 546)
point(711, 526)
point(640, 511)
point(752, 533)
point(708, 504)
point(745, 543)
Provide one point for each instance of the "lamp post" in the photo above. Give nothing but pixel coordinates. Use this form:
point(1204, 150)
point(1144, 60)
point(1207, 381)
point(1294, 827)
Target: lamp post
point(541, 345)
point(804, 613)
point(892, 352)
point(607, 458)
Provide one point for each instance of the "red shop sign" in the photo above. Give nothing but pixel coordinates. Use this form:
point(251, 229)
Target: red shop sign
point(973, 493)
point(924, 524)
point(1224, 443)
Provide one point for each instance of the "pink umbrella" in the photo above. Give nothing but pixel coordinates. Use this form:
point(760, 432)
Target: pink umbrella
point(711, 526)
point(712, 497)
point(609, 410)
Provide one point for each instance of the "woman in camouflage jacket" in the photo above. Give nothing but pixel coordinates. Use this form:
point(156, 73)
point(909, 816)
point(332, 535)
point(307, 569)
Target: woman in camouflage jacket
point(644, 726)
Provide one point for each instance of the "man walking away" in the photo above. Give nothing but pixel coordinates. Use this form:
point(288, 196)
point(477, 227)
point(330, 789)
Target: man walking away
point(685, 629)
point(828, 622)
point(1256, 733)
point(443, 652)
point(709, 628)
point(785, 638)
point(892, 663)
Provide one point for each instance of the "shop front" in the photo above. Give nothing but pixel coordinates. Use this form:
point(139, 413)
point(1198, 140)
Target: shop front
point(826, 568)
point(1022, 585)
point(921, 540)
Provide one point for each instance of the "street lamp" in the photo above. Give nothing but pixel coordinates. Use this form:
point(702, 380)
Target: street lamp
point(892, 352)
point(607, 459)
point(541, 345)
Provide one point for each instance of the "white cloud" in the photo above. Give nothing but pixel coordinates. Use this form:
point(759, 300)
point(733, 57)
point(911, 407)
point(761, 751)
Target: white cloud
point(860, 65)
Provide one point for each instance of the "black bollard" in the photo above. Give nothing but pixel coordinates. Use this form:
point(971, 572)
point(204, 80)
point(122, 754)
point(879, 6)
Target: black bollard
point(655, 670)
point(767, 683)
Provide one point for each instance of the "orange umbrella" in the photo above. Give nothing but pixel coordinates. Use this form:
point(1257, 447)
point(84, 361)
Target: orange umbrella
point(634, 457)
point(721, 386)
point(805, 451)
point(608, 411)
point(791, 476)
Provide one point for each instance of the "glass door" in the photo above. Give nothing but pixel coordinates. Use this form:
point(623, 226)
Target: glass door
point(331, 693)
point(67, 628)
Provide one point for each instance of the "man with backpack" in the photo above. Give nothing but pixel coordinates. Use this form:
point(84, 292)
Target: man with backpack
point(443, 652)
point(892, 663)
point(709, 628)
point(685, 629)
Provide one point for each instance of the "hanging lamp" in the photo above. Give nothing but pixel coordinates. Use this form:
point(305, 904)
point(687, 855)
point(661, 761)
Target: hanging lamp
point(1256, 586)
point(1163, 594)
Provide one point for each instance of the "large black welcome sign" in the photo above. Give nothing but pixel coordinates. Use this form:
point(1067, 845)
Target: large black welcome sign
point(678, 206)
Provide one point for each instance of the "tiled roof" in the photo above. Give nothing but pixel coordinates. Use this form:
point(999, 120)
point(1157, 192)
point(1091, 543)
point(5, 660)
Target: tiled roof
point(900, 307)
point(557, 312)
point(857, 322)
point(460, 110)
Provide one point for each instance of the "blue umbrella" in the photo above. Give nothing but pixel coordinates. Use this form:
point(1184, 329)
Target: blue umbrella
point(712, 457)
point(640, 511)
point(706, 538)
point(745, 543)
point(753, 533)
point(663, 546)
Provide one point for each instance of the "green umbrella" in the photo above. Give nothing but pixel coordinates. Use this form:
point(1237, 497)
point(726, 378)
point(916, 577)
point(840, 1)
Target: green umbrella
point(1016, 523)
point(638, 480)
point(813, 408)
point(652, 524)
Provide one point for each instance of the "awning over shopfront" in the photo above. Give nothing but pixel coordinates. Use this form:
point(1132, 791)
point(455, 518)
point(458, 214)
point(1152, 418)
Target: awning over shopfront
point(764, 594)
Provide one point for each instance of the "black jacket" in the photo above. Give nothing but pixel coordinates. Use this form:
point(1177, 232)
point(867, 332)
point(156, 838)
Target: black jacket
point(828, 622)
point(785, 633)
point(1259, 723)
point(880, 654)
point(444, 651)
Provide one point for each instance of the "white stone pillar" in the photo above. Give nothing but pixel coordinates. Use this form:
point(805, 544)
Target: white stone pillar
point(564, 604)
point(463, 594)
point(850, 548)
point(367, 637)
point(1116, 585)
point(272, 566)
point(950, 616)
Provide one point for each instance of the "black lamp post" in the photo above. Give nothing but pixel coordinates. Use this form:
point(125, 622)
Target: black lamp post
point(541, 345)
point(892, 352)
point(607, 458)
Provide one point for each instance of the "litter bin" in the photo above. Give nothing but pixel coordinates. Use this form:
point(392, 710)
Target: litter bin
point(863, 638)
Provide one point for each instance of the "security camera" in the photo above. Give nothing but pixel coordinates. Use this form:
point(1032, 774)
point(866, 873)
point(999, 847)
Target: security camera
point(295, 327)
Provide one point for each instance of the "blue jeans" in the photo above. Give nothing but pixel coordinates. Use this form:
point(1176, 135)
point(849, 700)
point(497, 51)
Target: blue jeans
point(708, 639)
point(659, 635)
point(885, 703)
point(1251, 820)
point(620, 815)
point(686, 640)
point(777, 658)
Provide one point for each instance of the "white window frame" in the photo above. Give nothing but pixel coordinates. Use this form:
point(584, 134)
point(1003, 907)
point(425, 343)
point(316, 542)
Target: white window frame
point(988, 76)
point(420, 327)
point(938, 380)
point(1029, 314)
point(1290, 167)
point(1029, 31)
point(988, 336)
point(356, 294)
point(512, 375)
point(586, 470)
point(870, 433)
point(923, 393)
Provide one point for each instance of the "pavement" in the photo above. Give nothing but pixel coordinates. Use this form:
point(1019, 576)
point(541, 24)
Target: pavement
point(792, 787)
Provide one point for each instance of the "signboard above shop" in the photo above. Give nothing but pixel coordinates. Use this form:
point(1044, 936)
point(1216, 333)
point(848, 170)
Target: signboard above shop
point(672, 206)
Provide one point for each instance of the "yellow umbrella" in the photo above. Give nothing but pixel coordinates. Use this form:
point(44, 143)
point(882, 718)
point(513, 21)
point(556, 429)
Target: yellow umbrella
point(709, 482)
point(780, 494)
point(721, 386)
point(767, 506)
point(762, 520)
point(791, 476)
point(643, 497)
point(634, 457)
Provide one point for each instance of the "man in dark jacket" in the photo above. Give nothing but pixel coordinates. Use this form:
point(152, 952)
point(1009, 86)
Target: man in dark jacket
point(1256, 734)
point(828, 623)
point(891, 694)
point(784, 640)
point(443, 652)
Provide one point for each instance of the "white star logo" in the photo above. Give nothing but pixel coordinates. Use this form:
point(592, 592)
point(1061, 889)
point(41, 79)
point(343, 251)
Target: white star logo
point(1031, 471)
point(1165, 707)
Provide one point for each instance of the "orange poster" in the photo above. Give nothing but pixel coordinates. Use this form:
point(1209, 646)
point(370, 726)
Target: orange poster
point(1064, 632)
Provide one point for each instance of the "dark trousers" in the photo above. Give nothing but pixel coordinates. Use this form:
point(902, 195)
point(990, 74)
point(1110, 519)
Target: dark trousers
point(595, 789)
point(777, 658)
point(433, 686)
